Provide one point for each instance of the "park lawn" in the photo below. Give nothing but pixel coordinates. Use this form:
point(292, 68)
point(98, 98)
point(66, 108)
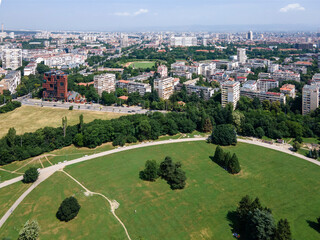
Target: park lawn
point(287, 185)
point(7, 175)
point(29, 118)
point(284, 183)
point(93, 221)
point(9, 194)
point(144, 64)
point(310, 140)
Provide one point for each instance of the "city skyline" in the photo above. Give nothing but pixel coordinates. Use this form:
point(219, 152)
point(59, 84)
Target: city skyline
point(146, 15)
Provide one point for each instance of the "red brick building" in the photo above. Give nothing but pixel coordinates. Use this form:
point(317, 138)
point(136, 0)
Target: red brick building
point(55, 85)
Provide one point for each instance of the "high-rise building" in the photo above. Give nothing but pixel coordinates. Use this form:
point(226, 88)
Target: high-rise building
point(163, 71)
point(230, 93)
point(55, 85)
point(164, 87)
point(124, 41)
point(242, 56)
point(250, 35)
point(105, 83)
point(11, 58)
point(310, 98)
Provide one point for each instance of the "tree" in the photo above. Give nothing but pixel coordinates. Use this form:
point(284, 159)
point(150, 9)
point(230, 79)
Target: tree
point(207, 126)
point(233, 165)
point(167, 168)
point(283, 231)
point(179, 179)
point(30, 231)
point(151, 171)
point(81, 123)
point(31, 175)
point(261, 225)
point(68, 209)
point(218, 156)
point(11, 137)
point(64, 125)
point(78, 140)
point(224, 135)
point(296, 146)
point(41, 68)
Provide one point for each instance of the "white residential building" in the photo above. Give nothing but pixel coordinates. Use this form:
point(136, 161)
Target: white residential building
point(265, 84)
point(242, 56)
point(310, 98)
point(30, 69)
point(183, 41)
point(11, 58)
point(163, 71)
point(230, 93)
point(164, 87)
point(141, 88)
point(105, 82)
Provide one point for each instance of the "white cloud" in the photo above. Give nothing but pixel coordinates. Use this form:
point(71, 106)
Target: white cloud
point(292, 7)
point(127, 14)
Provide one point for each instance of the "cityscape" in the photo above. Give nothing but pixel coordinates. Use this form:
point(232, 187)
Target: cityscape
point(100, 105)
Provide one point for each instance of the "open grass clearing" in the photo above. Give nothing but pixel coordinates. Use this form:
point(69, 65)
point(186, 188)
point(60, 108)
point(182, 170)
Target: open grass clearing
point(29, 118)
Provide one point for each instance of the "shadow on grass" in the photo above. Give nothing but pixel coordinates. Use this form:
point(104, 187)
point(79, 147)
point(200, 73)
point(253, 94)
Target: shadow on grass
point(314, 225)
point(232, 218)
point(212, 159)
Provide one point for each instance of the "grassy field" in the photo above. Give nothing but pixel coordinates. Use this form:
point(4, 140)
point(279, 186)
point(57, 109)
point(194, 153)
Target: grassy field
point(29, 119)
point(144, 64)
point(43, 203)
point(287, 185)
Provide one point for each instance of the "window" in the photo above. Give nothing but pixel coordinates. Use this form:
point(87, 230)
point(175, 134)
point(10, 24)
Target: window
point(61, 95)
point(61, 84)
point(51, 85)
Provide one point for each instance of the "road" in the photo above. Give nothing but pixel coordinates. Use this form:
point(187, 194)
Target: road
point(47, 172)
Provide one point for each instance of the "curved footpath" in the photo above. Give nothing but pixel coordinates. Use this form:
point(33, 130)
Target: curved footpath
point(47, 172)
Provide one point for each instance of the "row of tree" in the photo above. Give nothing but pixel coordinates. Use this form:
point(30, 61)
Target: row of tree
point(226, 161)
point(10, 106)
point(168, 170)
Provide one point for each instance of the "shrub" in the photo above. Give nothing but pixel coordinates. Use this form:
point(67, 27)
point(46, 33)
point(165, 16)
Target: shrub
point(68, 209)
point(31, 175)
point(71, 108)
point(30, 231)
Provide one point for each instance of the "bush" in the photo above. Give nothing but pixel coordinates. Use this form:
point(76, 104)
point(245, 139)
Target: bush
point(224, 135)
point(30, 231)
point(151, 171)
point(10, 106)
point(296, 146)
point(233, 165)
point(224, 160)
point(31, 175)
point(71, 108)
point(68, 209)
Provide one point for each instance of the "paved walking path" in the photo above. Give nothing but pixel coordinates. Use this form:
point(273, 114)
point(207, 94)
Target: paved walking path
point(47, 172)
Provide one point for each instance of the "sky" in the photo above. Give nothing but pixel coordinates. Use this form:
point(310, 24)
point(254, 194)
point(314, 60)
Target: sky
point(146, 15)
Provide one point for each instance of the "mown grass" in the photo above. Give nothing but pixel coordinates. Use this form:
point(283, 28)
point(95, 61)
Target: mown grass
point(286, 184)
point(29, 118)
point(94, 221)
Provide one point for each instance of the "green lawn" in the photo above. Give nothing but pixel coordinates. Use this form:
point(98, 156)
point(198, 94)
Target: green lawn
point(287, 185)
point(93, 221)
point(144, 64)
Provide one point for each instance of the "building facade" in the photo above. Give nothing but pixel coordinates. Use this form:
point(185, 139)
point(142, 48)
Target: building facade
point(141, 88)
point(10, 81)
point(55, 85)
point(230, 93)
point(288, 90)
point(164, 87)
point(310, 98)
point(265, 84)
point(242, 56)
point(105, 83)
point(11, 58)
point(163, 71)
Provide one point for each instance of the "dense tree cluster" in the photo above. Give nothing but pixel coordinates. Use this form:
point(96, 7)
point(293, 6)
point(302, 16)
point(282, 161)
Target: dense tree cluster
point(31, 175)
point(224, 135)
point(10, 106)
point(172, 173)
point(255, 222)
point(226, 161)
point(68, 209)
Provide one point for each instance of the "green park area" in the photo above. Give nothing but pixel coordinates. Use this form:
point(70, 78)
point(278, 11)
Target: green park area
point(29, 119)
point(144, 64)
point(151, 210)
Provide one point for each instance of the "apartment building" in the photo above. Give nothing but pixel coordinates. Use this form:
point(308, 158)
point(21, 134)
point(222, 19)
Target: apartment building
point(163, 71)
point(11, 58)
point(230, 93)
point(55, 85)
point(164, 87)
point(264, 85)
point(183, 41)
point(206, 92)
point(141, 88)
point(270, 96)
point(105, 83)
point(10, 81)
point(242, 56)
point(288, 90)
point(310, 98)
point(30, 69)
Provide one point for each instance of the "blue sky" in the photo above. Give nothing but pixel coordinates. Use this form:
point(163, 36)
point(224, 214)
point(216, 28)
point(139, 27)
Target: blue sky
point(110, 15)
